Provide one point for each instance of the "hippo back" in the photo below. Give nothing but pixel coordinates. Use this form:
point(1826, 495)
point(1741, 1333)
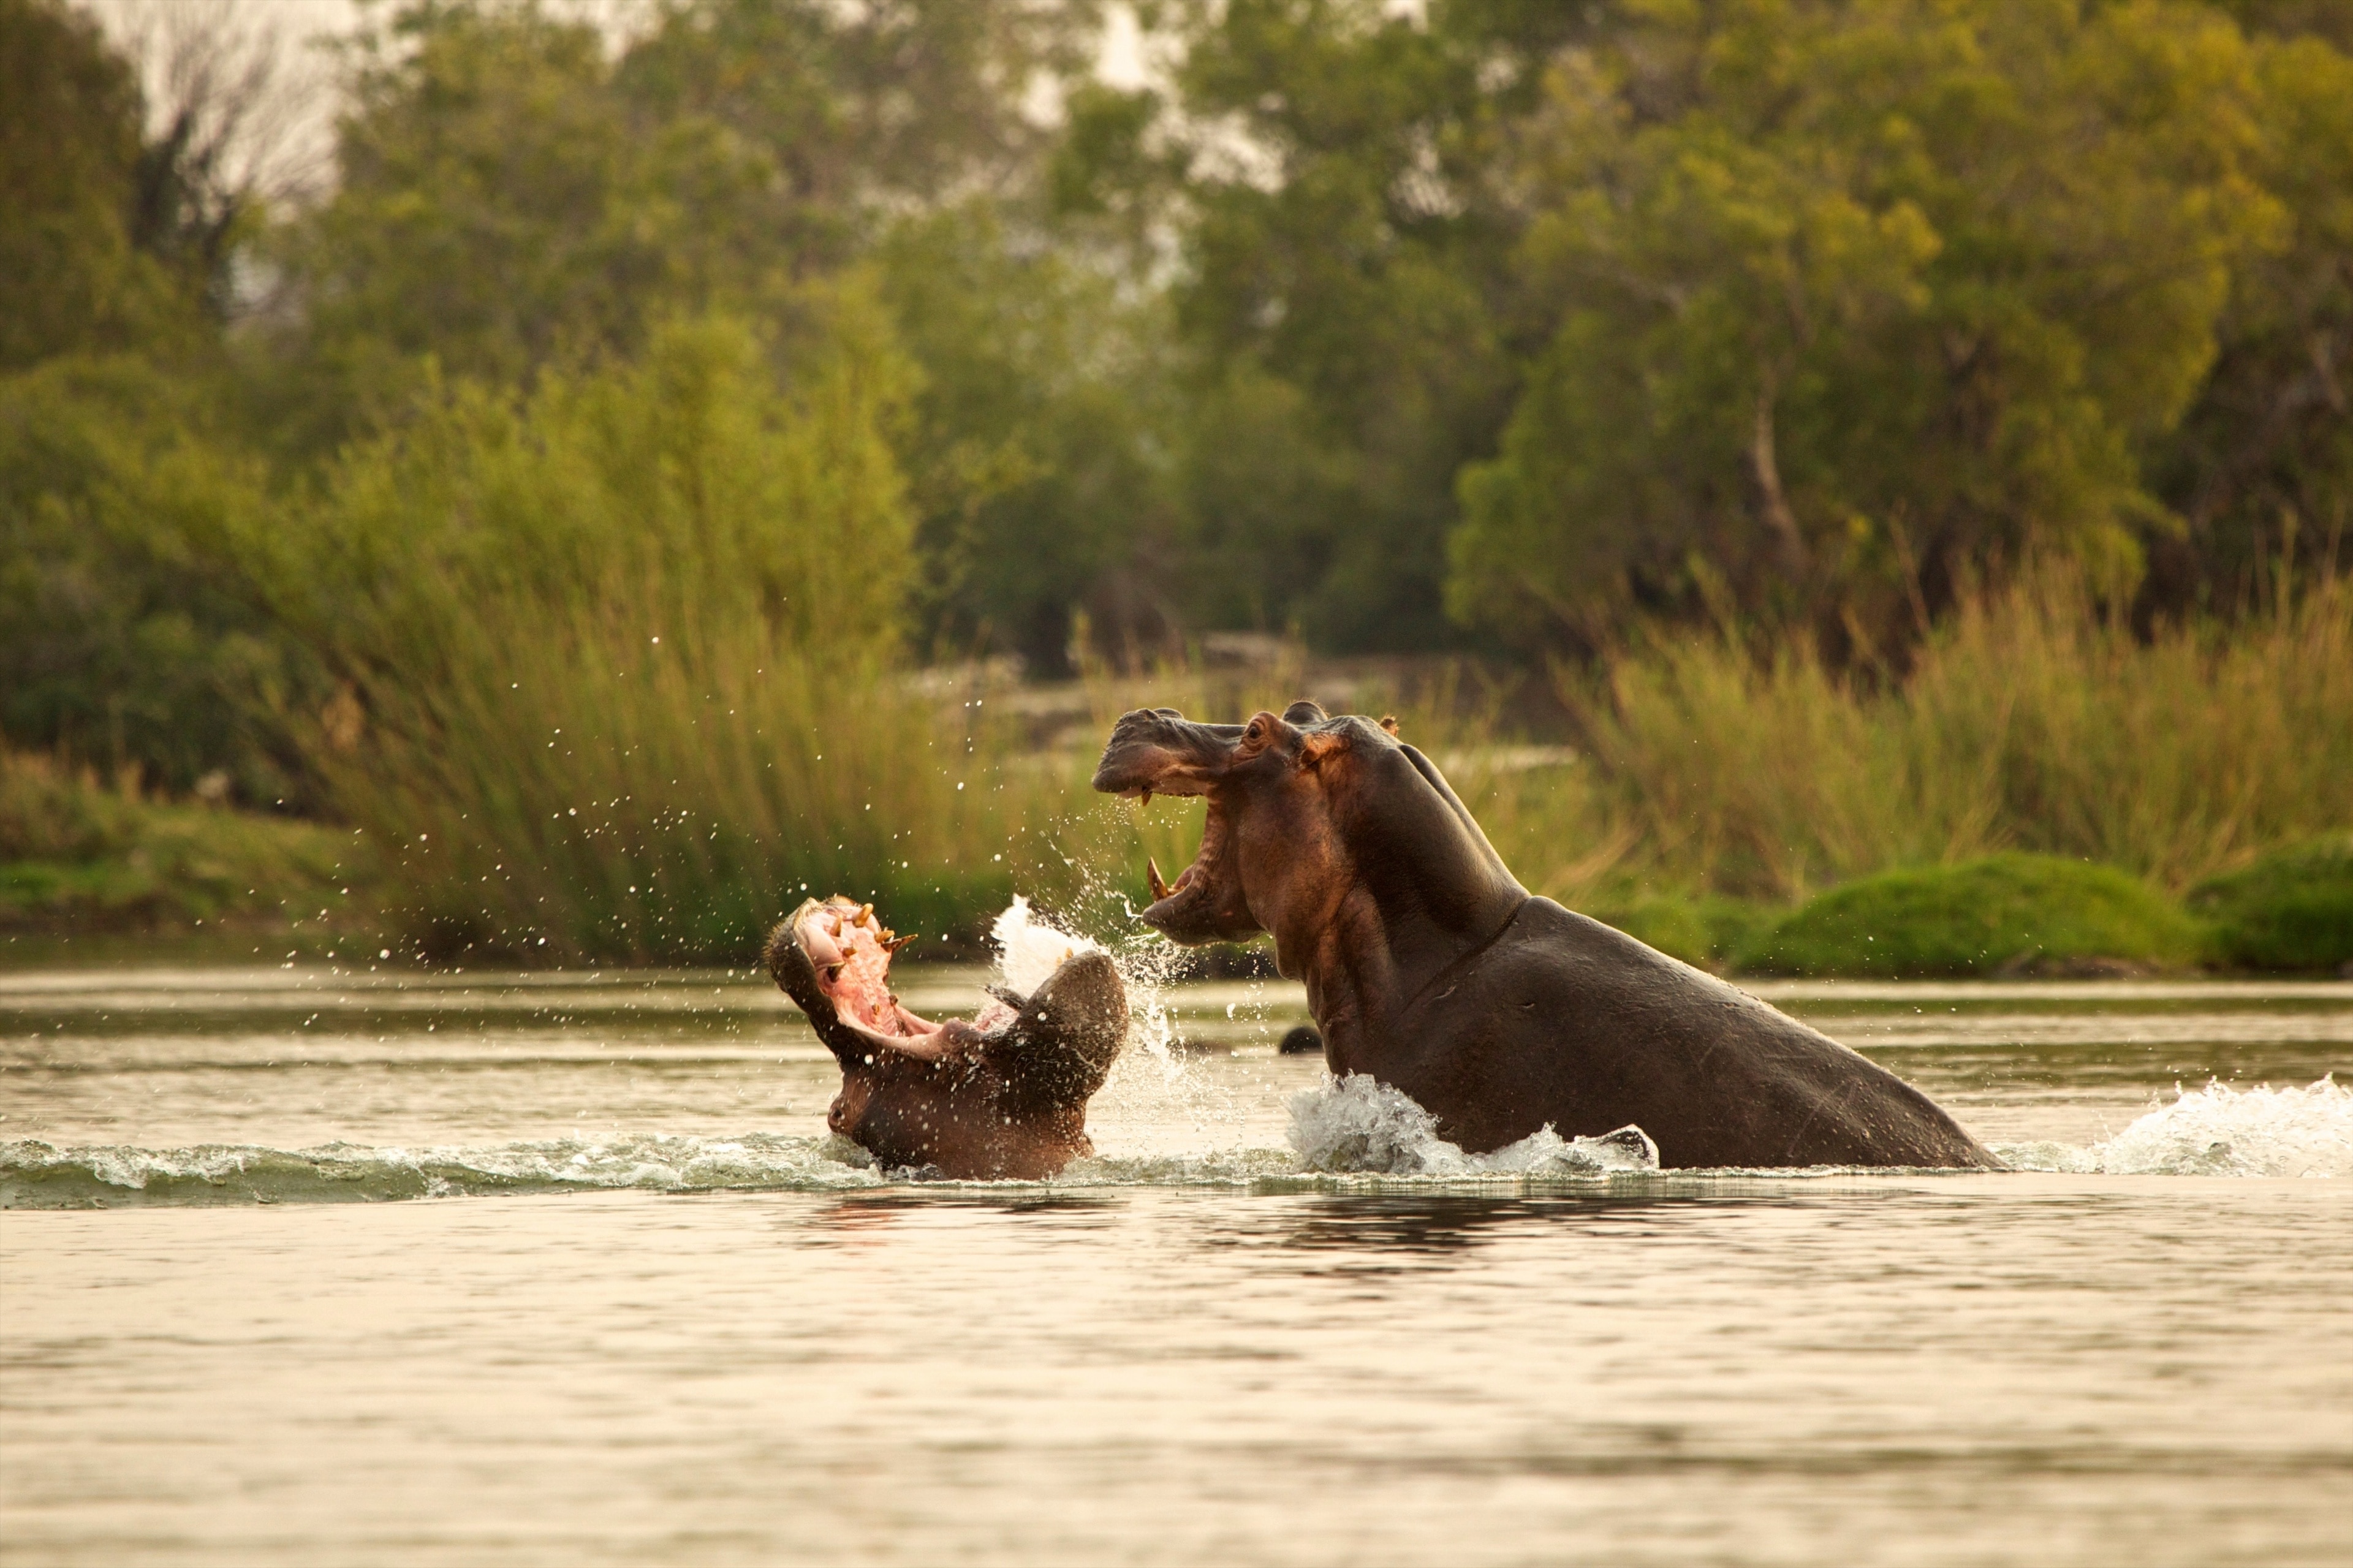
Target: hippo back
point(1566, 1021)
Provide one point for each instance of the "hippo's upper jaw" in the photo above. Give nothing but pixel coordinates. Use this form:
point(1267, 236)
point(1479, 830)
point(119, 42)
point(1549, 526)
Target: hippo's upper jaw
point(1158, 751)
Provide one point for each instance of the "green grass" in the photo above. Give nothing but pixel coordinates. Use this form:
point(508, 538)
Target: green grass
point(2031, 721)
point(2005, 913)
point(622, 679)
point(78, 859)
point(2291, 910)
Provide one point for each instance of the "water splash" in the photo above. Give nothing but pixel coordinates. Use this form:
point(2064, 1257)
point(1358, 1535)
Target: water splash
point(1354, 1124)
point(1154, 1089)
point(2218, 1130)
point(1029, 947)
point(1347, 1135)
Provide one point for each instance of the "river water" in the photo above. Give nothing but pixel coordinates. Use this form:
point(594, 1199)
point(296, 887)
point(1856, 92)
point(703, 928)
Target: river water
point(642, 1311)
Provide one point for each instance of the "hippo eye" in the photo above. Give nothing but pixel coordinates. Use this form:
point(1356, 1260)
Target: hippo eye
point(1256, 729)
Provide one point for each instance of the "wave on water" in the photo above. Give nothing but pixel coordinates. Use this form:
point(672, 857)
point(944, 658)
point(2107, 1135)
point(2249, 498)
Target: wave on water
point(35, 1174)
point(1356, 1124)
point(2218, 1131)
point(1347, 1134)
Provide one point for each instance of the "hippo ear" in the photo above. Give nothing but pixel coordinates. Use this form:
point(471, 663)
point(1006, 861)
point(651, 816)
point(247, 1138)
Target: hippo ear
point(1304, 712)
point(1388, 722)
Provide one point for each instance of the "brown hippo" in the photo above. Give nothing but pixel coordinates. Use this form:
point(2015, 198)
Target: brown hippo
point(1430, 968)
point(1003, 1096)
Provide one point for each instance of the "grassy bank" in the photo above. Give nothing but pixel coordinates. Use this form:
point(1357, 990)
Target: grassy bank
point(2044, 795)
point(651, 748)
point(92, 865)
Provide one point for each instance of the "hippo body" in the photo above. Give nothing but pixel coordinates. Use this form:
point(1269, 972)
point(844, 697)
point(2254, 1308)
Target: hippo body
point(1565, 1020)
point(1003, 1096)
point(1430, 968)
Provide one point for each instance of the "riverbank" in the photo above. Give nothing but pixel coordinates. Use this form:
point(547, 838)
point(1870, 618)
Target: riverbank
point(112, 878)
point(2042, 790)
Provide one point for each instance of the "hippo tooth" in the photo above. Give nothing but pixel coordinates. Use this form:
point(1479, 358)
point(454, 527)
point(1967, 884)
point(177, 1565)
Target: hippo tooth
point(1151, 869)
point(1144, 798)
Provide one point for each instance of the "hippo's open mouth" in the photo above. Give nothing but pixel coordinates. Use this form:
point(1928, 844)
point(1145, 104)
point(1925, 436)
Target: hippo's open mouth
point(1199, 888)
point(851, 950)
point(1157, 751)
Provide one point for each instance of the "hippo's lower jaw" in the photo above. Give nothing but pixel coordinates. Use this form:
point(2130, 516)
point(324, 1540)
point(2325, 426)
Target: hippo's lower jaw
point(1003, 1096)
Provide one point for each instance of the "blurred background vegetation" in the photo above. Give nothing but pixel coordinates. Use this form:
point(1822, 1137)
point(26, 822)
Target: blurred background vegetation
point(1761, 447)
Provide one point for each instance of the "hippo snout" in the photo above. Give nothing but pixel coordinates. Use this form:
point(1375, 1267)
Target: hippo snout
point(1158, 749)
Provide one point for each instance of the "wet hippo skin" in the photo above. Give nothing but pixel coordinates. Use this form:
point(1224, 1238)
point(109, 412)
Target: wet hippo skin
point(1003, 1096)
point(1428, 966)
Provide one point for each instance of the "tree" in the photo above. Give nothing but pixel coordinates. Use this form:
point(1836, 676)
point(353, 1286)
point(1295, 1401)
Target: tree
point(1345, 269)
point(1890, 292)
point(510, 196)
point(71, 275)
point(2262, 466)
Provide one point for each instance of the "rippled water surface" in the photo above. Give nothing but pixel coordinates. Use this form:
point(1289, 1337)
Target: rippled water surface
point(645, 1312)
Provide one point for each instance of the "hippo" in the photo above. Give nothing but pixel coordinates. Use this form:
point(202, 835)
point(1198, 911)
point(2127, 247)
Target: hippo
point(1002, 1096)
point(1430, 968)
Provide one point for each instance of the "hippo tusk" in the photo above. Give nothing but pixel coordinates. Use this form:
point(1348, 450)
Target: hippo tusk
point(1151, 869)
point(1143, 798)
point(893, 944)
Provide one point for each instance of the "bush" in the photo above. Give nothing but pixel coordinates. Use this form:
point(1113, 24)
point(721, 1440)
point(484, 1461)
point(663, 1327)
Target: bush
point(76, 856)
point(129, 632)
point(2003, 912)
point(2033, 720)
point(2293, 909)
point(1703, 931)
point(625, 659)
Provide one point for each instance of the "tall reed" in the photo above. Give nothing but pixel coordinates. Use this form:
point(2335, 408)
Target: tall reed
point(623, 679)
point(2032, 720)
point(622, 665)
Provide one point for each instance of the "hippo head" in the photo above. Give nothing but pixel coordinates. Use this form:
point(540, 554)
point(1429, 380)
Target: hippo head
point(1309, 817)
point(1004, 1095)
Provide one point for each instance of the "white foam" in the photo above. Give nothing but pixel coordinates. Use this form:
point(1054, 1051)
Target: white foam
point(35, 1175)
point(1354, 1124)
point(2218, 1130)
point(1029, 947)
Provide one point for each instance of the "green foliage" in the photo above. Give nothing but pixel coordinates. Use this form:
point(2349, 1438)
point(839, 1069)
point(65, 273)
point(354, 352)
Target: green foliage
point(1030, 449)
point(2292, 909)
point(627, 648)
point(1349, 258)
point(1706, 931)
point(76, 858)
point(1838, 320)
point(2023, 912)
point(71, 276)
point(128, 633)
point(2027, 721)
point(2261, 472)
point(511, 196)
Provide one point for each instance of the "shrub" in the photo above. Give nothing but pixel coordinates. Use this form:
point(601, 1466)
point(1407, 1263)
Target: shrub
point(2031, 721)
point(2293, 909)
point(76, 856)
point(2006, 911)
point(624, 659)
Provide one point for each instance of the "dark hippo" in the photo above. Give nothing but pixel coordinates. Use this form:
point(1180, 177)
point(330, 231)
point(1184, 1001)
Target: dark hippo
point(1430, 968)
point(1003, 1096)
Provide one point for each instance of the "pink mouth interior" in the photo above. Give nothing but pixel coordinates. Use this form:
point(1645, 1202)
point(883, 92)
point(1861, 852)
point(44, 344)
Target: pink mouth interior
point(1204, 861)
point(851, 951)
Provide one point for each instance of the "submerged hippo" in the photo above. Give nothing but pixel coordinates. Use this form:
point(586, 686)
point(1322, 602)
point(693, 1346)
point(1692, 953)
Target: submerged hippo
point(1003, 1096)
point(1430, 968)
